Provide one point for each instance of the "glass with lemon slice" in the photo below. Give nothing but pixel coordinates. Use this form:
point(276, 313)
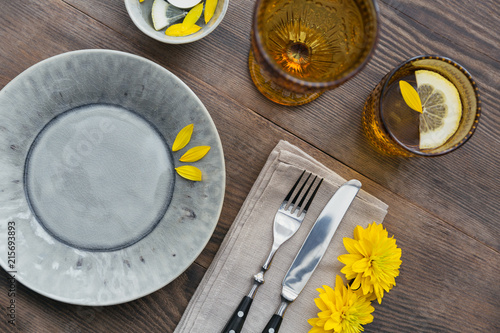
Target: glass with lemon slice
point(426, 106)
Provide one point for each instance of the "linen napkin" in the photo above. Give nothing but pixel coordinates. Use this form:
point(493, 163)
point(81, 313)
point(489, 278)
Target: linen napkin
point(249, 240)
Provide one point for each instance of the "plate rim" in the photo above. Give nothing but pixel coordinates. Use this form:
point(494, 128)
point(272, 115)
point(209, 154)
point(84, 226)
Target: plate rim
point(220, 200)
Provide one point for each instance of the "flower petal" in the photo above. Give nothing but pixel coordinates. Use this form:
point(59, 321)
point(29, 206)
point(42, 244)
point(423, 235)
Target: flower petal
point(192, 16)
point(326, 300)
point(313, 321)
point(177, 30)
point(316, 329)
point(349, 245)
point(330, 324)
point(358, 232)
point(329, 291)
point(324, 314)
point(183, 137)
point(189, 172)
point(321, 304)
point(195, 154)
point(210, 6)
point(361, 265)
point(410, 95)
point(357, 282)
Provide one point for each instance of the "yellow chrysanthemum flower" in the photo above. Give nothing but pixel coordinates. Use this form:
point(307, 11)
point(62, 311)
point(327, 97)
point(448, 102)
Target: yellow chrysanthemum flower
point(373, 260)
point(342, 310)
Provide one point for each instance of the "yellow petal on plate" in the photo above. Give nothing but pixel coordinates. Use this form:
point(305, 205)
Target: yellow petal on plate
point(182, 139)
point(177, 30)
point(195, 154)
point(192, 16)
point(410, 95)
point(210, 6)
point(189, 172)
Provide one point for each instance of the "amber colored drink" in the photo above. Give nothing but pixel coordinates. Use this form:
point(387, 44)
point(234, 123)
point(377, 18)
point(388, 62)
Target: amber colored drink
point(393, 128)
point(301, 46)
point(400, 119)
point(310, 40)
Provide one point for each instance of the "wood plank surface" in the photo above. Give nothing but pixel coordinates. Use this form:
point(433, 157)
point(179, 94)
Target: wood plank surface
point(465, 22)
point(442, 211)
point(460, 187)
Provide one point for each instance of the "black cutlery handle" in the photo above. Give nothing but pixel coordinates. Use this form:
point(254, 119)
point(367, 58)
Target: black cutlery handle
point(274, 324)
point(237, 320)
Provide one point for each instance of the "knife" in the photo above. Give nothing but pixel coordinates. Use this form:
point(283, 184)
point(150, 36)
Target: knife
point(313, 249)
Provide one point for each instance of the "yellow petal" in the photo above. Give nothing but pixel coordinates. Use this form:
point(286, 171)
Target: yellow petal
point(312, 321)
point(349, 259)
point(177, 30)
point(357, 282)
point(329, 291)
point(410, 95)
point(182, 139)
point(324, 297)
point(338, 282)
point(329, 325)
point(320, 304)
point(189, 172)
point(366, 286)
point(361, 265)
point(325, 314)
point(141, 0)
point(316, 329)
point(210, 6)
point(358, 232)
point(195, 154)
point(192, 16)
point(349, 245)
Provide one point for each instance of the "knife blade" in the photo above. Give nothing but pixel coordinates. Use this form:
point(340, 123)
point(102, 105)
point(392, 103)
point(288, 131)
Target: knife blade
point(313, 249)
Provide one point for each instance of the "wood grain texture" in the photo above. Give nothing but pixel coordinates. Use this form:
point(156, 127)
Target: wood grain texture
point(476, 27)
point(459, 188)
point(445, 222)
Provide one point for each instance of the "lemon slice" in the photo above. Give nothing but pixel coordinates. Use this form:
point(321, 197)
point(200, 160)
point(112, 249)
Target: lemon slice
point(442, 109)
point(164, 14)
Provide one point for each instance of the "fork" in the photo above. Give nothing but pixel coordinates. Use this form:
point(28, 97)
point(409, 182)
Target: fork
point(287, 221)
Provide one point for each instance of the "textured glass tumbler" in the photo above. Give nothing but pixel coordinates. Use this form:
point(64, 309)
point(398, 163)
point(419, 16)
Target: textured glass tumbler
point(301, 48)
point(389, 134)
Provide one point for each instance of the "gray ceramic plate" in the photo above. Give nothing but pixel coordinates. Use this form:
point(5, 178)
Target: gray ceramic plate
point(90, 204)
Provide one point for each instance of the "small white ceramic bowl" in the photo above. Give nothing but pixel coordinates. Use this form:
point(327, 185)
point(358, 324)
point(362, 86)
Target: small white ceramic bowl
point(140, 13)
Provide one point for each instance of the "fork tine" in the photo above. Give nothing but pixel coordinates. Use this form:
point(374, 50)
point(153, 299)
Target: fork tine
point(294, 201)
point(289, 195)
point(312, 196)
point(307, 192)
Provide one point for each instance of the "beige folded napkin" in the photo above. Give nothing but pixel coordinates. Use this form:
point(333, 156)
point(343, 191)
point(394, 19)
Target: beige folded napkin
point(249, 240)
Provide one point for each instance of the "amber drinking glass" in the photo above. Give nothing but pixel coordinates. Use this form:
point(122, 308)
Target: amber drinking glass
point(450, 102)
point(301, 48)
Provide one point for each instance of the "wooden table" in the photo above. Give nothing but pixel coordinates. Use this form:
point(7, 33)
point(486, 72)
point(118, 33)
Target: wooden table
point(444, 212)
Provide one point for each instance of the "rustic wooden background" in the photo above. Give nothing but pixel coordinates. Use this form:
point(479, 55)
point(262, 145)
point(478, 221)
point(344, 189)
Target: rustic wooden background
point(443, 211)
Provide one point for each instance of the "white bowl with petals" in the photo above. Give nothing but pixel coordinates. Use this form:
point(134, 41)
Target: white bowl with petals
point(140, 13)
